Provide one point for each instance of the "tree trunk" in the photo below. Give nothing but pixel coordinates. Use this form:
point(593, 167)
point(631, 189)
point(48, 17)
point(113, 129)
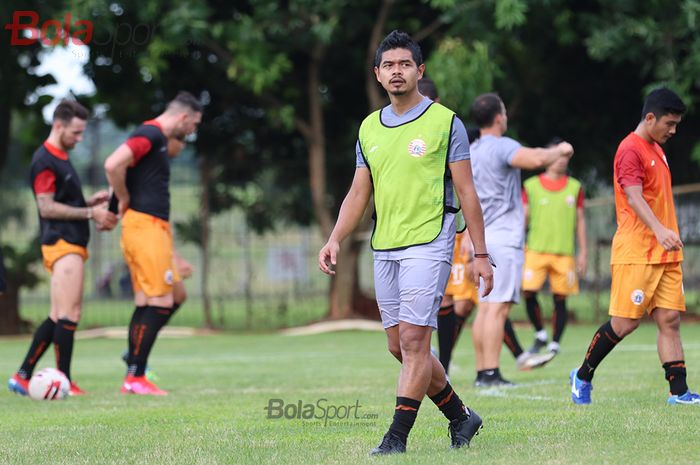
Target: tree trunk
point(204, 221)
point(10, 321)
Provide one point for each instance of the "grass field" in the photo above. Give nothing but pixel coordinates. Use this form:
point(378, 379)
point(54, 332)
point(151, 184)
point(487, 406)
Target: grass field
point(220, 386)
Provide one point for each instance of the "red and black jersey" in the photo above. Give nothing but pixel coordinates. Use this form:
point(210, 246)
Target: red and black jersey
point(52, 172)
point(148, 178)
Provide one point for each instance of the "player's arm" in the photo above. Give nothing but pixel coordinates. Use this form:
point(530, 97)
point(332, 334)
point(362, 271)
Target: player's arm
point(351, 212)
point(581, 259)
point(473, 216)
point(536, 158)
point(115, 170)
point(668, 238)
point(44, 187)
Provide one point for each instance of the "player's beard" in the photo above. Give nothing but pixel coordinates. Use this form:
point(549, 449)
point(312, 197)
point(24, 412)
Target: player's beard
point(397, 92)
point(66, 144)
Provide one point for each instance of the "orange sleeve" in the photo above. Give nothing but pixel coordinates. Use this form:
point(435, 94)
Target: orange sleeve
point(140, 146)
point(45, 182)
point(630, 169)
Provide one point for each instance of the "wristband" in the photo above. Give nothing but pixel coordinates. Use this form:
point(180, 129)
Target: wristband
point(487, 256)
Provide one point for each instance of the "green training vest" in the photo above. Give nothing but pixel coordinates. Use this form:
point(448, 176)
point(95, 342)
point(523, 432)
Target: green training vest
point(551, 217)
point(408, 164)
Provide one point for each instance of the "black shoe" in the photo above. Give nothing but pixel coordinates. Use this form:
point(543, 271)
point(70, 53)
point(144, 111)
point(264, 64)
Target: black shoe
point(537, 346)
point(462, 431)
point(392, 444)
point(491, 378)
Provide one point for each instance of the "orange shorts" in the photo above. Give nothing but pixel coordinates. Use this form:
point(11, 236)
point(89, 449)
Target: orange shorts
point(642, 288)
point(51, 253)
point(147, 244)
point(561, 270)
point(459, 286)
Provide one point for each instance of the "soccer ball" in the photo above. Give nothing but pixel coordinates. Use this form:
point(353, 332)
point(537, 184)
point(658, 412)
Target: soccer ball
point(49, 384)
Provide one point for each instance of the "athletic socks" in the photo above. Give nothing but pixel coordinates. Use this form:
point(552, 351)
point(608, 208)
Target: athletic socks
point(447, 325)
point(560, 317)
point(145, 333)
point(534, 312)
point(510, 339)
point(404, 417)
point(603, 342)
point(459, 324)
point(63, 337)
point(449, 403)
point(675, 375)
point(134, 331)
point(42, 338)
point(541, 335)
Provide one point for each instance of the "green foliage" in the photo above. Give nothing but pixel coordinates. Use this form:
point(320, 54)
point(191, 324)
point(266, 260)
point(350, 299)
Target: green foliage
point(510, 13)
point(461, 72)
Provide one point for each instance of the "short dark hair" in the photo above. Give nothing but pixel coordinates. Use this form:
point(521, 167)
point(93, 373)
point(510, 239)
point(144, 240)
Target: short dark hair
point(188, 100)
point(69, 109)
point(663, 101)
point(426, 87)
point(485, 109)
point(398, 39)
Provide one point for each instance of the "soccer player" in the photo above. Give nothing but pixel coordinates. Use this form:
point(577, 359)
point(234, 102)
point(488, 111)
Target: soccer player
point(497, 161)
point(461, 294)
point(646, 251)
point(139, 173)
point(551, 246)
point(64, 217)
point(410, 155)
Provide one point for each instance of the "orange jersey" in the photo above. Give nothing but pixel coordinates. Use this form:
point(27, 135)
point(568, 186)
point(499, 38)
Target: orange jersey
point(638, 162)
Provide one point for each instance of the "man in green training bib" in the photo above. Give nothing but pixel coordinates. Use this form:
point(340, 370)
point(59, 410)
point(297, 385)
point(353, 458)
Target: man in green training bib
point(551, 248)
point(411, 155)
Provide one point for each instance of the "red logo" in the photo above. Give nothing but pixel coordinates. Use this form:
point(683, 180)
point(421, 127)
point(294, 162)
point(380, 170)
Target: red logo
point(51, 32)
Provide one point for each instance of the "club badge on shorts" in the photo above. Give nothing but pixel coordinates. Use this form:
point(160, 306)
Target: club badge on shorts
point(637, 297)
point(417, 148)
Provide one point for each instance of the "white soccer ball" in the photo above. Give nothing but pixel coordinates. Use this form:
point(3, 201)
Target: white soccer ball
point(49, 384)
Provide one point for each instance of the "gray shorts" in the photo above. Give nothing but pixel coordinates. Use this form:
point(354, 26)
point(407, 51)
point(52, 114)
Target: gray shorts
point(410, 290)
point(507, 276)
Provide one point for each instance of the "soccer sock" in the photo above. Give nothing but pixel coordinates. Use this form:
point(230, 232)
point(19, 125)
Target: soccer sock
point(602, 343)
point(560, 317)
point(404, 417)
point(491, 373)
point(534, 312)
point(153, 319)
point(63, 336)
point(459, 324)
point(42, 338)
point(446, 329)
point(134, 324)
point(675, 375)
point(510, 339)
point(449, 404)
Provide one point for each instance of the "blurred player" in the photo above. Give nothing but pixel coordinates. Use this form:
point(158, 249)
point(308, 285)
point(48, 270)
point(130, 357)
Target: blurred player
point(404, 152)
point(551, 246)
point(461, 294)
point(139, 173)
point(646, 251)
point(497, 161)
point(64, 217)
point(182, 269)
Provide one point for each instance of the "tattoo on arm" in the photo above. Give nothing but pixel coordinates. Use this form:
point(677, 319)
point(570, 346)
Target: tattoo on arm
point(51, 210)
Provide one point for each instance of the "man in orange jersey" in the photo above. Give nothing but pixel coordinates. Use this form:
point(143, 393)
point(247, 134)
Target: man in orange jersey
point(139, 173)
point(646, 252)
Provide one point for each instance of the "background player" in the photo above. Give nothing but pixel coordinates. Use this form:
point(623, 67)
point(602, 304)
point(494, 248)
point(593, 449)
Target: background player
point(497, 161)
point(551, 246)
point(646, 251)
point(65, 231)
point(139, 173)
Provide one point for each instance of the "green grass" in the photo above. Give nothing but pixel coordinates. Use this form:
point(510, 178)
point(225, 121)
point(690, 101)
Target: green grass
point(220, 385)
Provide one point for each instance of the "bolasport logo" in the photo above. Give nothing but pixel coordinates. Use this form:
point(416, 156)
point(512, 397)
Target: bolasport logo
point(321, 412)
point(27, 28)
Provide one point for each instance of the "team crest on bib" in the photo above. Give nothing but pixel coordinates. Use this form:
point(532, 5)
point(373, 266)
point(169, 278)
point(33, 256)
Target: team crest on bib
point(570, 200)
point(417, 148)
point(169, 277)
point(637, 296)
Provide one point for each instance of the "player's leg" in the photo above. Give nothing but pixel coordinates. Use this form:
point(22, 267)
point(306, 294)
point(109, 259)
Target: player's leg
point(66, 305)
point(670, 303)
point(630, 294)
point(489, 322)
point(564, 282)
point(447, 322)
point(534, 276)
point(510, 339)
